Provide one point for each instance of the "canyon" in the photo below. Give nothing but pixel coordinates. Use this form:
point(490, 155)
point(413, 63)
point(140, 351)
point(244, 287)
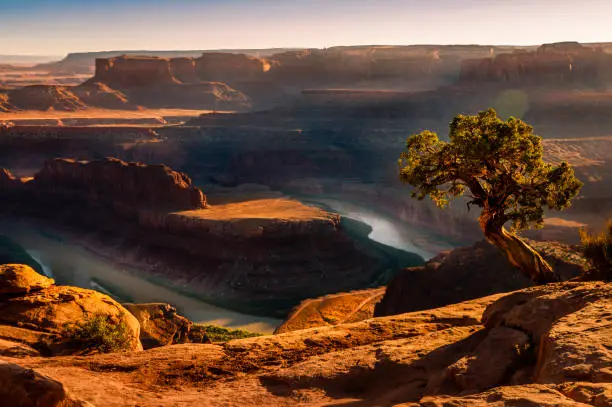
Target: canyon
point(255, 256)
point(292, 220)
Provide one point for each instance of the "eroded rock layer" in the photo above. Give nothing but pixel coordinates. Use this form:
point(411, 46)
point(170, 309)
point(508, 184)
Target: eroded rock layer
point(543, 346)
point(262, 255)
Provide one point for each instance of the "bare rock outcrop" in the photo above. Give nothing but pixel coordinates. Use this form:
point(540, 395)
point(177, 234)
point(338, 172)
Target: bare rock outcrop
point(542, 346)
point(126, 186)
point(23, 387)
point(230, 68)
point(16, 350)
point(18, 279)
point(45, 97)
point(468, 272)
point(161, 325)
point(184, 69)
point(333, 309)
point(36, 304)
point(551, 65)
point(133, 71)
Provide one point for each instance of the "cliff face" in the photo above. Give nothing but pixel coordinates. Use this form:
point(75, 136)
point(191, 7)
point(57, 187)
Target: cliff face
point(134, 71)
point(259, 256)
point(124, 185)
point(127, 82)
point(45, 97)
point(550, 65)
point(467, 273)
point(230, 68)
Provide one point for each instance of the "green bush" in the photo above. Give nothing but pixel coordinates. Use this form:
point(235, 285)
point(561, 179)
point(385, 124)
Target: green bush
point(99, 333)
point(597, 249)
point(220, 334)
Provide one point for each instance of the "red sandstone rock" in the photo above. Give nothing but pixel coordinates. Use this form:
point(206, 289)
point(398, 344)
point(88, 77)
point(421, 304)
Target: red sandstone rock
point(230, 68)
point(131, 71)
point(127, 186)
point(466, 273)
point(45, 97)
point(161, 325)
point(23, 387)
point(184, 69)
point(21, 279)
point(551, 64)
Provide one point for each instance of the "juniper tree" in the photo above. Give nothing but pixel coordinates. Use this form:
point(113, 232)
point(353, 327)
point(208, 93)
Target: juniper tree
point(499, 166)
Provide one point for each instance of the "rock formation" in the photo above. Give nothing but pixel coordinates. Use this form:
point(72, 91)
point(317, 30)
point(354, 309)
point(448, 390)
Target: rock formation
point(569, 64)
point(31, 301)
point(26, 388)
point(543, 346)
point(121, 184)
point(184, 70)
point(45, 97)
point(263, 255)
point(230, 68)
point(17, 279)
point(132, 71)
point(333, 309)
point(160, 325)
point(466, 273)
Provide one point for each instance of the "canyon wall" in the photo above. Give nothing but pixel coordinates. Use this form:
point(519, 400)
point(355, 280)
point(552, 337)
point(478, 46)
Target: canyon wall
point(134, 71)
point(255, 256)
point(130, 186)
point(550, 65)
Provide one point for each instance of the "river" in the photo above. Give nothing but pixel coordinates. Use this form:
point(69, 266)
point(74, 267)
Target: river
point(72, 264)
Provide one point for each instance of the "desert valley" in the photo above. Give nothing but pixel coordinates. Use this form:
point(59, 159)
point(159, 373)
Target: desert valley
point(230, 227)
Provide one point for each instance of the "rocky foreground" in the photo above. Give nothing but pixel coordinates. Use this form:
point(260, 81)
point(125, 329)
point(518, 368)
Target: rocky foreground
point(541, 346)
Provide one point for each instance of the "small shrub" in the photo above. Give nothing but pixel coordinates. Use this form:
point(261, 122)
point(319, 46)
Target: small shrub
point(221, 334)
point(597, 249)
point(99, 333)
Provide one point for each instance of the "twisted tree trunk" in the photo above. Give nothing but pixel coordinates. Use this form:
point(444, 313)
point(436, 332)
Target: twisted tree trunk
point(518, 253)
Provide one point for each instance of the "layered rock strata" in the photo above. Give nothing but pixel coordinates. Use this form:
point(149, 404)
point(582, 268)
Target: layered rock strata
point(262, 255)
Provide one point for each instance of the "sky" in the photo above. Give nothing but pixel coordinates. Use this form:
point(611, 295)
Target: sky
point(57, 27)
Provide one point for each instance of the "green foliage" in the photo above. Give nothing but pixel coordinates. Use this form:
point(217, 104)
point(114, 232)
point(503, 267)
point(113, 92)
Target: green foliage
point(499, 163)
point(99, 333)
point(220, 334)
point(598, 251)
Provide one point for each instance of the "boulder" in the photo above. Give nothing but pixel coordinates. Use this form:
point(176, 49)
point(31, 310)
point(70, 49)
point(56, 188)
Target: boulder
point(53, 308)
point(23, 387)
point(21, 279)
point(332, 309)
point(160, 325)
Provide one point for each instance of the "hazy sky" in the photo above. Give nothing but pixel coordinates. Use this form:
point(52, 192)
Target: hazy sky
point(56, 27)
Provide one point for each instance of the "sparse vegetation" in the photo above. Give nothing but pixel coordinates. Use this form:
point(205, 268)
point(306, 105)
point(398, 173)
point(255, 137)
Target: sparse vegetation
point(597, 248)
point(220, 334)
point(501, 164)
point(100, 333)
